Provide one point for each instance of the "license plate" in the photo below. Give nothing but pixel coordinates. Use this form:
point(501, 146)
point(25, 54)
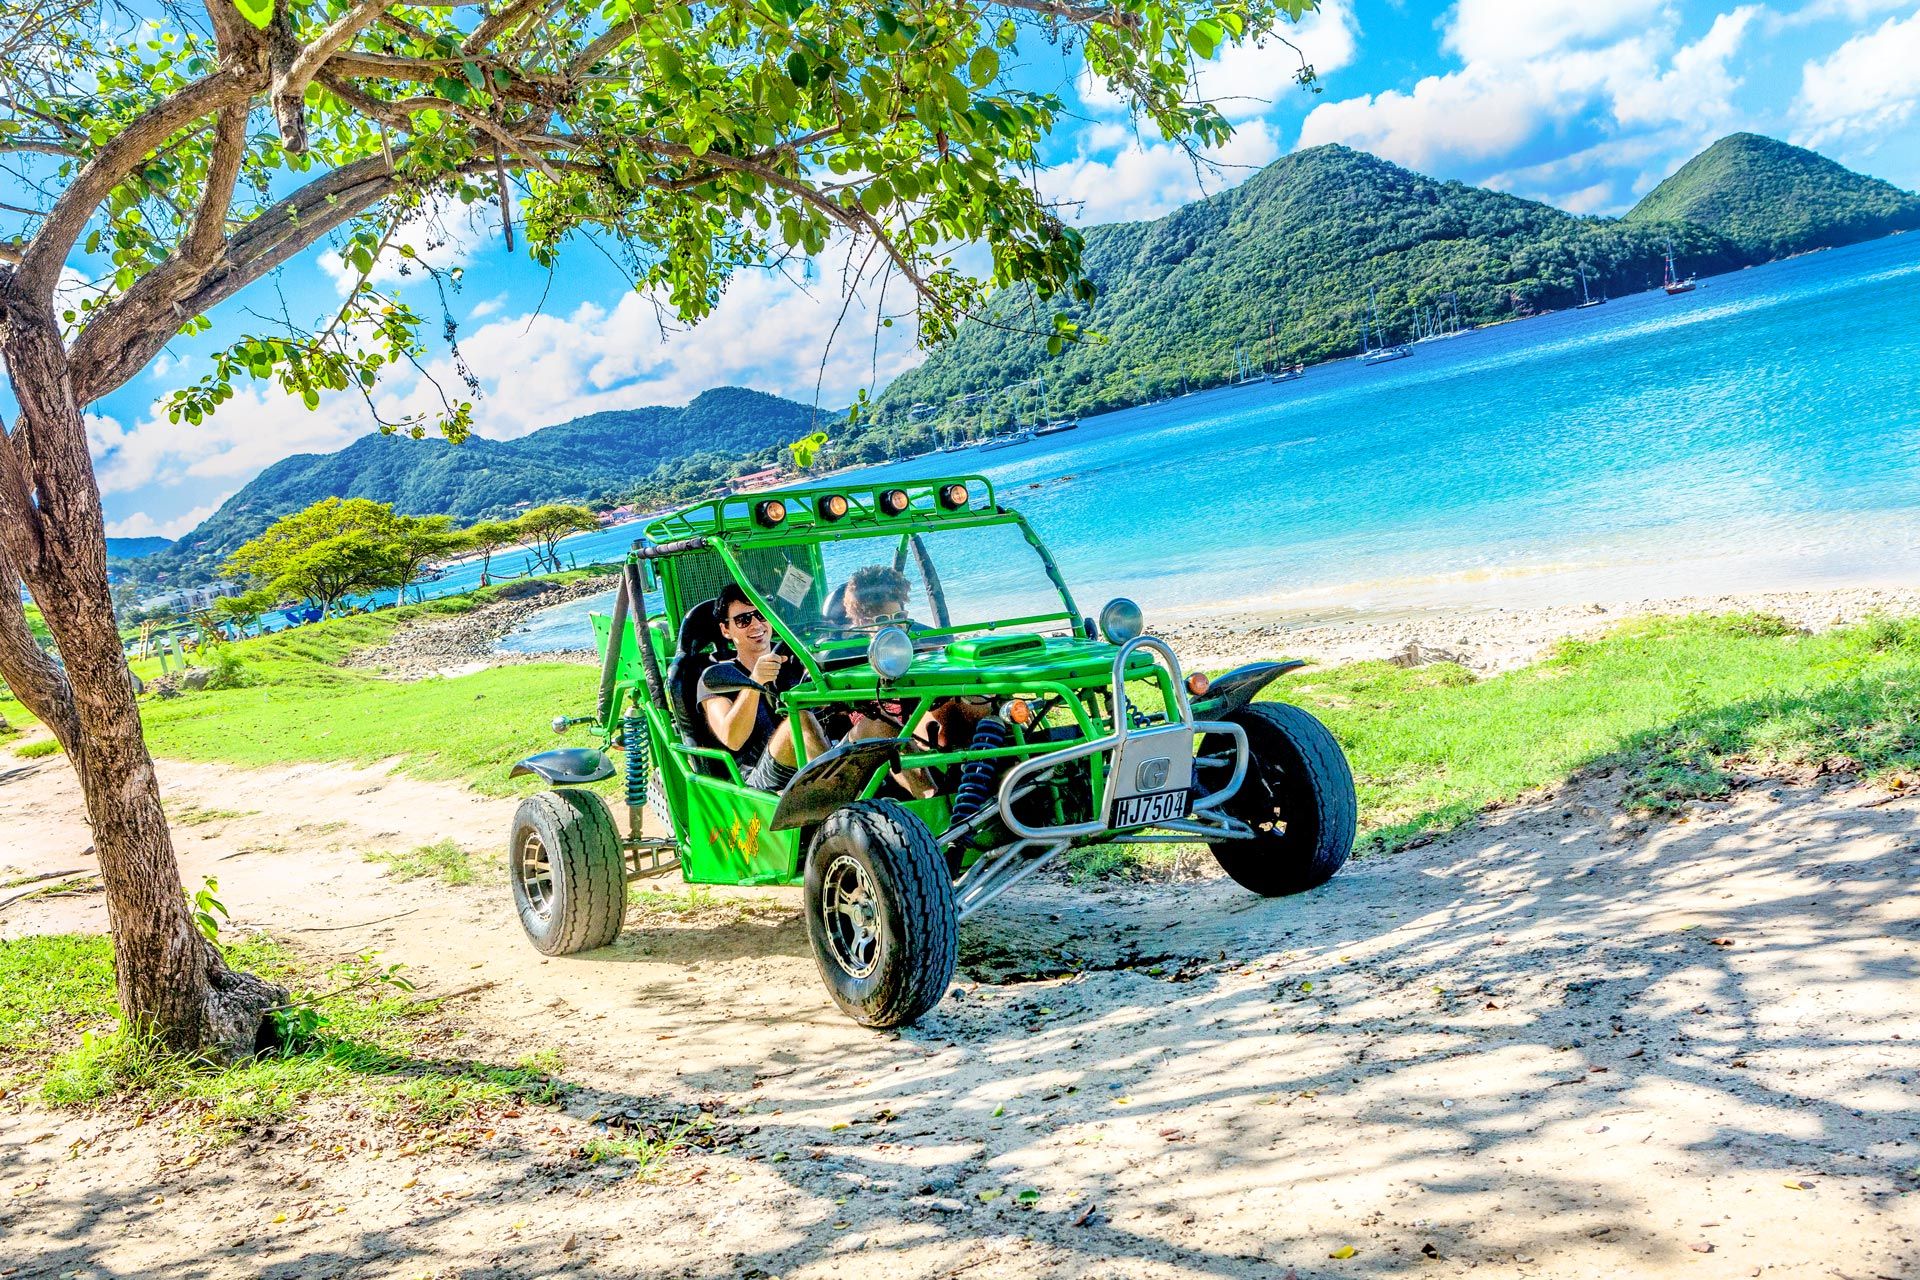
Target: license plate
point(1154, 806)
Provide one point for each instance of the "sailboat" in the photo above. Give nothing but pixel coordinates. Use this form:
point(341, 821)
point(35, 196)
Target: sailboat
point(1284, 372)
point(1381, 354)
point(1587, 299)
point(1674, 284)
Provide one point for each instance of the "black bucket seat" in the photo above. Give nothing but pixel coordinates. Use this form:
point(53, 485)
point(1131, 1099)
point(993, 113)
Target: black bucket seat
point(695, 651)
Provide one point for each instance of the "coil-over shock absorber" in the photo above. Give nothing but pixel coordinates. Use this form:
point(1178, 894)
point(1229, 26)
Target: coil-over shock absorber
point(633, 737)
point(976, 776)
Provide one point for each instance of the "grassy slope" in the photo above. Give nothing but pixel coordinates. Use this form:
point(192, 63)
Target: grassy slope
point(1675, 699)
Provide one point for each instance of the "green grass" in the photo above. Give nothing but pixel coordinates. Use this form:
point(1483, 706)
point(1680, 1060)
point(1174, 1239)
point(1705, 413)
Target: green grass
point(385, 1049)
point(1680, 704)
point(1675, 701)
point(443, 860)
point(188, 814)
point(38, 748)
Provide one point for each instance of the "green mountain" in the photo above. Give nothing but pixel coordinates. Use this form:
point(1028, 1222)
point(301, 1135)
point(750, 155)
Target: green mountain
point(133, 548)
point(603, 455)
point(1279, 270)
point(1774, 199)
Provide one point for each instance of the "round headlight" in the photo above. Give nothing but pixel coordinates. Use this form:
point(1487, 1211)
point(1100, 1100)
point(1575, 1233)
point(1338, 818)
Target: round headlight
point(769, 513)
point(890, 652)
point(953, 497)
point(1121, 620)
point(831, 508)
point(892, 501)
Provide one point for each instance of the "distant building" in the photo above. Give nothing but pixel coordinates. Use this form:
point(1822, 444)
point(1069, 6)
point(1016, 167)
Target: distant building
point(189, 598)
point(764, 478)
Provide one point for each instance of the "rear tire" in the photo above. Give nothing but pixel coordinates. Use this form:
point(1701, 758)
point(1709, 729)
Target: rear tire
point(880, 913)
point(1298, 797)
point(568, 872)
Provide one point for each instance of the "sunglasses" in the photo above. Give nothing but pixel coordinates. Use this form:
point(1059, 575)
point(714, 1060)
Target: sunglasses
point(746, 619)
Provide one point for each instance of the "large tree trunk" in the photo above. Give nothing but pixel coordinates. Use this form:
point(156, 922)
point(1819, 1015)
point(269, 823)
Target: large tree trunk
point(172, 983)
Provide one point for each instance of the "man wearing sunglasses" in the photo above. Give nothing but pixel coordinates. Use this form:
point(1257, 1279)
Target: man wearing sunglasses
point(740, 717)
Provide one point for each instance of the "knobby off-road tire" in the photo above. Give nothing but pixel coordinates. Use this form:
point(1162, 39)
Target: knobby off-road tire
point(880, 913)
point(567, 870)
point(1298, 797)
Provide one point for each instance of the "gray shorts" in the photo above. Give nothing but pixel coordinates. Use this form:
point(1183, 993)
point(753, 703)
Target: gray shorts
point(768, 774)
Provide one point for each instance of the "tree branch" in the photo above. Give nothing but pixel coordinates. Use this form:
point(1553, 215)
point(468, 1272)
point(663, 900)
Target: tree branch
point(223, 170)
point(39, 269)
point(289, 85)
point(1079, 14)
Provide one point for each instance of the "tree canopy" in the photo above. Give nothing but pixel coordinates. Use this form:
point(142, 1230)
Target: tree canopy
point(173, 155)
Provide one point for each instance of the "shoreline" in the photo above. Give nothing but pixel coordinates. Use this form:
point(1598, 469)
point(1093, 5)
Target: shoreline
point(1497, 632)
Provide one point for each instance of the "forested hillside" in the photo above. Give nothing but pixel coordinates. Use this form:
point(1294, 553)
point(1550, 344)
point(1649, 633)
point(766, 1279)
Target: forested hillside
point(1773, 199)
point(603, 455)
point(1278, 270)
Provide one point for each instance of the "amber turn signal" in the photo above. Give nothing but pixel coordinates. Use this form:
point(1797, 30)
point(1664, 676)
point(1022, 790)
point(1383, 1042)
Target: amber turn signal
point(893, 501)
point(1197, 683)
point(769, 513)
point(1017, 711)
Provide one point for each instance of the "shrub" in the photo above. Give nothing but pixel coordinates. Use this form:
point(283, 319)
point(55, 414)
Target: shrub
point(227, 669)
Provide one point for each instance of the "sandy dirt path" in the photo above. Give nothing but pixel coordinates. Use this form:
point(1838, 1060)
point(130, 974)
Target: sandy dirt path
point(1561, 1044)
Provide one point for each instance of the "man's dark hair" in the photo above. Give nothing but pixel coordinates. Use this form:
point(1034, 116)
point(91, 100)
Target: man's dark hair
point(730, 595)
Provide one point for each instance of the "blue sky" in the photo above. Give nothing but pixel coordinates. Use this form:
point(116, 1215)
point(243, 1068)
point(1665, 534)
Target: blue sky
point(1582, 103)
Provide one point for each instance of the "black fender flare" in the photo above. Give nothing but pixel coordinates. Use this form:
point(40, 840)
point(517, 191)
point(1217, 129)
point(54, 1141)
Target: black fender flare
point(832, 779)
point(567, 766)
point(1235, 689)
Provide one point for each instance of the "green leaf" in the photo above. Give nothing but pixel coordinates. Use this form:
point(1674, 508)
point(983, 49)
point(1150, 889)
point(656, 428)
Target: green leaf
point(876, 195)
point(797, 69)
point(983, 66)
point(1205, 37)
point(258, 12)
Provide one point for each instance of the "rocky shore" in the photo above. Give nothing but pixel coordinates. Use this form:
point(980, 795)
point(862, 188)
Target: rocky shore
point(460, 643)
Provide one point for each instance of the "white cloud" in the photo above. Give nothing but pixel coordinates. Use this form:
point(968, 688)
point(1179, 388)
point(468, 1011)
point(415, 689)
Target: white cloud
point(1870, 83)
point(1244, 80)
point(1531, 65)
point(1697, 87)
point(1851, 10)
point(257, 427)
point(1506, 32)
point(767, 333)
point(445, 234)
point(1147, 179)
point(142, 525)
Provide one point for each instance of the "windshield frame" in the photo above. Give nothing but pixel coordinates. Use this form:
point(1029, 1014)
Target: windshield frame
point(816, 655)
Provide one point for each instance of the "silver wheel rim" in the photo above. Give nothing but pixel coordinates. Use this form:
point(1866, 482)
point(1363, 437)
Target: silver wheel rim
point(851, 916)
point(536, 876)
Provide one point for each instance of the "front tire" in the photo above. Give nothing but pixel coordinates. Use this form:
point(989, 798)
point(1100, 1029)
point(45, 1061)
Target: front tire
point(1297, 796)
point(568, 872)
point(880, 913)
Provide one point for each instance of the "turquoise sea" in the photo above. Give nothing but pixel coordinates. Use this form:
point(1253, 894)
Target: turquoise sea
point(1761, 432)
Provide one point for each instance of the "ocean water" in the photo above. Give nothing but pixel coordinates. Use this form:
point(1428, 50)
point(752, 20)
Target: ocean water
point(1761, 432)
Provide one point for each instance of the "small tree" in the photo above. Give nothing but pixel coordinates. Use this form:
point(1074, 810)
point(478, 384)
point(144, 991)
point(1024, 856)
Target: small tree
point(333, 549)
point(245, 609)
point(487, 537)
point(543, 527)
point(178, 156)
point(414, 541)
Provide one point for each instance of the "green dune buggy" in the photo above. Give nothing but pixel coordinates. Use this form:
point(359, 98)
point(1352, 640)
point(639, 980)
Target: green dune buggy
point(1028, 727)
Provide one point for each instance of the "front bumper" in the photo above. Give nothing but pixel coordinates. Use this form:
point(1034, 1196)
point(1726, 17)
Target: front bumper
point(1167, 747)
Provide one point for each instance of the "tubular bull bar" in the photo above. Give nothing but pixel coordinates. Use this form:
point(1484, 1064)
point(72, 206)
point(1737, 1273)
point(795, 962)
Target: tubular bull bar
point(1163, 751)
